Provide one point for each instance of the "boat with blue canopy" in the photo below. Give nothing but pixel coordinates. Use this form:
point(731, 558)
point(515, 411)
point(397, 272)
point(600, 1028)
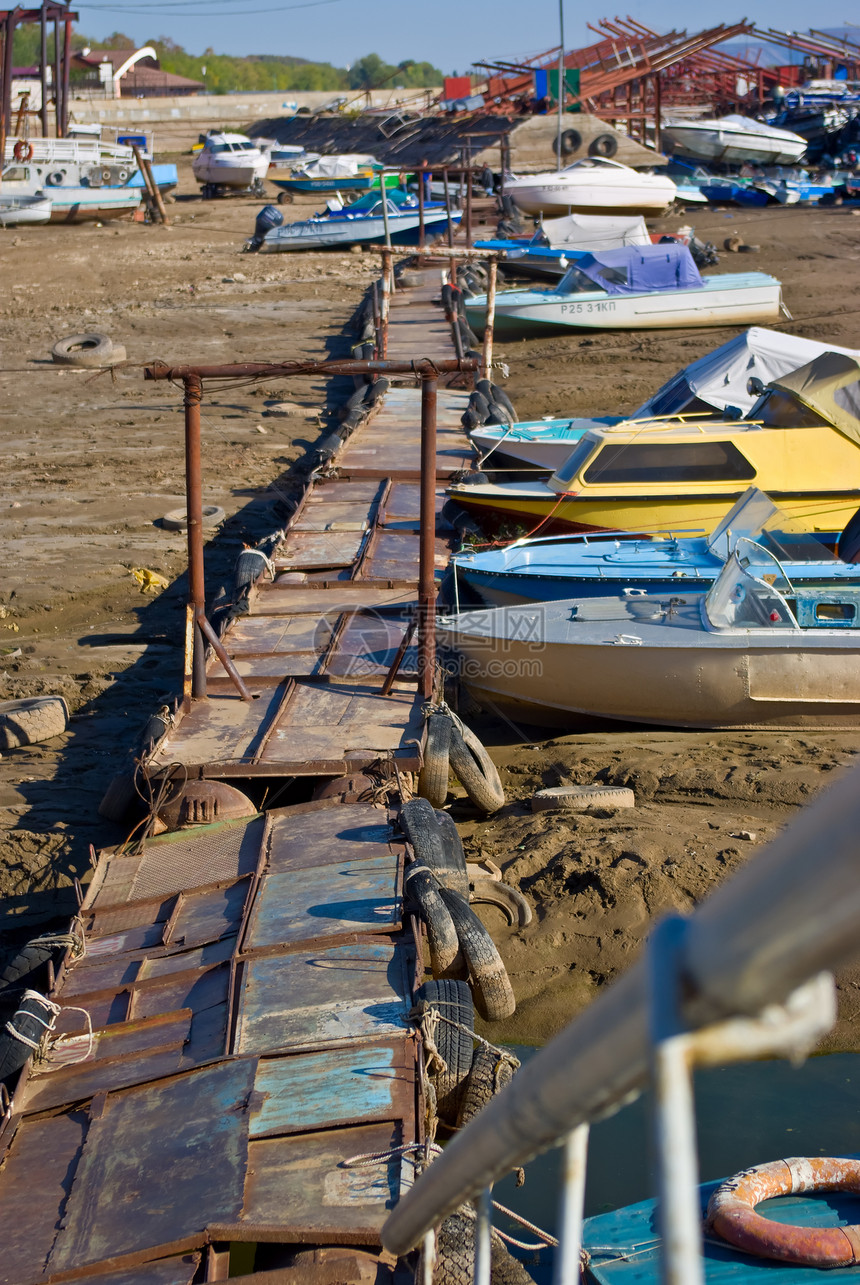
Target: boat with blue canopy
point(634, 288)
point(552, 568)
point(363, 223)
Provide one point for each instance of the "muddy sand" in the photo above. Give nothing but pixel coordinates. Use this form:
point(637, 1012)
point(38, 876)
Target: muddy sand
point(91, 464)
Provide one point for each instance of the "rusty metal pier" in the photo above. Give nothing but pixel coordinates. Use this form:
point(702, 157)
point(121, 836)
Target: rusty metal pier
point(234, 1010)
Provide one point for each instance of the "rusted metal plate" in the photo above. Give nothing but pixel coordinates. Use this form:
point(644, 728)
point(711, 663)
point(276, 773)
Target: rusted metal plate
point(283, 600)
point(208, 916)
point(300, 1183)
point(342, 721)
point(327, 490)
point(35, 1183)
point(265, 635)
point(403, 504)
point(311, 905)
point(393, 555)
point(185, 859)
point(205, 990)
point(221, 730)
point(125, 1054)
point(354, 831)
point(173, 1157)
point(320, 996)
point(352, 1085)
point(326, 515)
point(309, 550)
point(367, 645)
point(166, 1271)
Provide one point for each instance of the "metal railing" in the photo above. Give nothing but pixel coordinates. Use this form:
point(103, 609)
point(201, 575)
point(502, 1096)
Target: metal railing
point(742, 977)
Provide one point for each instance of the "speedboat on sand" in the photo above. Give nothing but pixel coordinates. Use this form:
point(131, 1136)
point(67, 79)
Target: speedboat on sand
point(592, 186)
point(733, 140)
point(756, 651)
point(229, 161)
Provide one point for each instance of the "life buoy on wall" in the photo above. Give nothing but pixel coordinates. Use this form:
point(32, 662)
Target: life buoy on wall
point(23, 150)
point(731, 1211)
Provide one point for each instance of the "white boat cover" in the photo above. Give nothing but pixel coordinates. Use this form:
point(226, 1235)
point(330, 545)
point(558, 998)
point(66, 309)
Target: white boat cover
point(343, 166)
point(595, 231)
point(720, 377)
point(751, 126)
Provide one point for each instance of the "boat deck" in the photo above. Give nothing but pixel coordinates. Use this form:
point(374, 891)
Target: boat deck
point(238, 1026)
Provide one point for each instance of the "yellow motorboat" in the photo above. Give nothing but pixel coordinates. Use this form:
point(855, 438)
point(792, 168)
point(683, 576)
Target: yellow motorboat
point(800, 444)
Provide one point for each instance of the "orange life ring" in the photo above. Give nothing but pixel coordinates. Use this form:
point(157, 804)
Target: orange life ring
point(23, 151)
point(731, 1211)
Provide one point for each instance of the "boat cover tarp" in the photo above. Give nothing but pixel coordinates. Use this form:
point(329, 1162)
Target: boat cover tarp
point(720, 377)
point(830, 386)
point(344, 166)
point(593, 231)
point(647, 267)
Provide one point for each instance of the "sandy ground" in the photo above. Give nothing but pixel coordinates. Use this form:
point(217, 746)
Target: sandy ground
point(89, 466)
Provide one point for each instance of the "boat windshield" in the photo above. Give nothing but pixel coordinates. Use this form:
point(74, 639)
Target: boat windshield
point(748, 594)
point(562, 477)
point(576, 282)
point(746, 517)
point(777, 408)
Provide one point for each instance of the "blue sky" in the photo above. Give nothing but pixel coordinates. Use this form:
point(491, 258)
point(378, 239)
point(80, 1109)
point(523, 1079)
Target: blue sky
point(449, 33)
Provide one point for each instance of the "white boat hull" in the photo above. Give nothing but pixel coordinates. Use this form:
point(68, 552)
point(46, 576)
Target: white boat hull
point(15, 211)
point(212, 169)
point(712, 143)
point(627, 670)
point(592, 192)
point(735, 299)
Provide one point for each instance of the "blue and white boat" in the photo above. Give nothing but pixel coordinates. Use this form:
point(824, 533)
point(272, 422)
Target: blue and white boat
point(726, 381)
point(362, 223)
point(643, 287)
point(554, 568)
point(349, 172)
point(559, 242)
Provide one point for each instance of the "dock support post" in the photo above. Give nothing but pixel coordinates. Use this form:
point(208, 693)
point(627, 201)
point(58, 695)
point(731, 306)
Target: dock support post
point(421, 173)
point(567, 1267)
point(386, 300)
point(427, 548)
point(194, 525)
point(487, 357)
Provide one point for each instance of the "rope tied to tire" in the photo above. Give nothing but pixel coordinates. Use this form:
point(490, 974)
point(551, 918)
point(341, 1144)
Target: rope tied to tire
point(48, 1052)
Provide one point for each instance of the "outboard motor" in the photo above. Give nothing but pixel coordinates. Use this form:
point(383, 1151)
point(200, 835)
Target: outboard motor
point(269, 217)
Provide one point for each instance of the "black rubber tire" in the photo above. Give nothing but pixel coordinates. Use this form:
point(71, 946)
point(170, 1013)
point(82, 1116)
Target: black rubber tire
point(489, 1074)
point(500, 397)
point(119, 798)
point(456, 857)
point(499, 415)
point(445, 299)
point(848, 548)
point(177, 519)
point(29, 1020)
point(424, 896)
point(376, 391)
point(329, 445)
point(475, 770)
point(504, 1268)
point(468, 336)
point(491, 987)
point(87, 350)
point(25, 961)
point(604, 145)
point(433, 778)
point(32, 719)
point(571, 141)
point(420, 824)
point(250, 565)
point(285, 198)
point(452, 1000)
point(455, 1256)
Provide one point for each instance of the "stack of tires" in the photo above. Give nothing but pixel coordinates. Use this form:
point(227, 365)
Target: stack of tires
point(450, 746)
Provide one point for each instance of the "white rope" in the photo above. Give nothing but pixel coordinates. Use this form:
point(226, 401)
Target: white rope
point(59, 1040)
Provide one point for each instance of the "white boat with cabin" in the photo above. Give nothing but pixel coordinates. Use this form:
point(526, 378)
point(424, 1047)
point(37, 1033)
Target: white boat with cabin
point(229, 161)
point(732, 140)
point(593, 185)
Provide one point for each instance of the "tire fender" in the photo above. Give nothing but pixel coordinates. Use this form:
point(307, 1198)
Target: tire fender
point(475, 770)
point(422, 892)
point(491, 987)
point(604, 145)
point(433, 778)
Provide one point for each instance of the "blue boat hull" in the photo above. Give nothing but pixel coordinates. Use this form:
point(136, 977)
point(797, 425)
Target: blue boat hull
point(359, 183)
point(166, 178)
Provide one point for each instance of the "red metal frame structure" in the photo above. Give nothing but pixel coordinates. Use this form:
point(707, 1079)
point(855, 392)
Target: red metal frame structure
point(192, 378)
point(62, 17)
point(819, 49)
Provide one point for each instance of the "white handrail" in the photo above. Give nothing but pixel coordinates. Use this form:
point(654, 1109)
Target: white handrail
point(791, 913)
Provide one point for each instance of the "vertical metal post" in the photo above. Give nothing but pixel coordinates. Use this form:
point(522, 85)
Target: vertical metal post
point(560, 81)
point(421, 174)
point(377, 317)
point(452, 265)
point(674, 1122)
point(386, 300)
point(194, 517)
point(67, 58)
point(483, 1224)
point(658, 110)
point(469, 194)
point(427, 540)
point(489, 321)
point(566, 1268)
point(6, 87)
point(43, 65)
point(58, 82)
point(385, 212)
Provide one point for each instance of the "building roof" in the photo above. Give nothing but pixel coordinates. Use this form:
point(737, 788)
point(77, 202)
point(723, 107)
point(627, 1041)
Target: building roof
point(149, 78)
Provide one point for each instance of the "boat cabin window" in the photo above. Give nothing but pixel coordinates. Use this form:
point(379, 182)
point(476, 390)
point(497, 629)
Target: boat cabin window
point(574, 462)
point(778, 409)
point(16, 174)
point(218, 147)
point(743, 596)
point(836, 612)
point(638, 462)
point(243, 147)
point(576, 282)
